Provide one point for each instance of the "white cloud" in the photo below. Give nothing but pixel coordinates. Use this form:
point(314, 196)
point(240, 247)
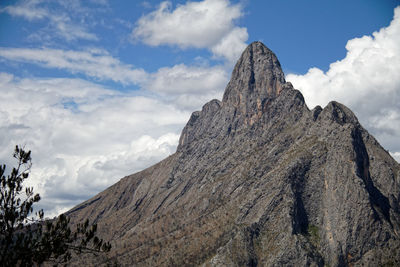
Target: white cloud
point(396, 156)
point(232, 45)
point(27, 9)
point(93, 63)
point(83, 137)
point(59, 19)
point(188, 24)
point(205, 24)
point(367, 80)
point(70, 31)
point(188, 87)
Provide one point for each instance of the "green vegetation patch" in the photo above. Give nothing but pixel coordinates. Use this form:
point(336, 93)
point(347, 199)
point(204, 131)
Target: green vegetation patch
point(313, 233)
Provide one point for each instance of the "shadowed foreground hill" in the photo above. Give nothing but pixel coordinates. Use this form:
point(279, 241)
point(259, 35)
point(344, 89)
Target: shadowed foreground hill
point(258, 180)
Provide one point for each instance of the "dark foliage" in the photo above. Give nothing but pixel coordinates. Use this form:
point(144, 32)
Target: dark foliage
point(27, 240)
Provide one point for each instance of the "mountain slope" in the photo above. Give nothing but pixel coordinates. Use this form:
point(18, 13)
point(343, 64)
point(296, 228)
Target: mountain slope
point(258, 180)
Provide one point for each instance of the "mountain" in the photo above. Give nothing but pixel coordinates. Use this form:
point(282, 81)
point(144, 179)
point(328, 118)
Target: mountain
point(258, 179)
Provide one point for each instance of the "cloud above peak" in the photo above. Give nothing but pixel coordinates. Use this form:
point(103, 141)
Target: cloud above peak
point(206, 24)
point(367, 80)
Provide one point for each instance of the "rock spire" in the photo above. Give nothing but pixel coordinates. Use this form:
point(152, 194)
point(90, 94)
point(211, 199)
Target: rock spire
point(257, 180)
point(257, 76)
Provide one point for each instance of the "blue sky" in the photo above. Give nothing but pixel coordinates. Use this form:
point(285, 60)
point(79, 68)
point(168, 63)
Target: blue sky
point(101, 89)
point(303, 35)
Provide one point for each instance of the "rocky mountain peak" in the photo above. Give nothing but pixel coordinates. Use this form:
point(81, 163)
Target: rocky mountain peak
point(257, 76)
point(257, 180)
point(256, 81)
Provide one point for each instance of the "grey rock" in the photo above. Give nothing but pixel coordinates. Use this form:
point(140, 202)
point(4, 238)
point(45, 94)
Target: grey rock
point(258, 180)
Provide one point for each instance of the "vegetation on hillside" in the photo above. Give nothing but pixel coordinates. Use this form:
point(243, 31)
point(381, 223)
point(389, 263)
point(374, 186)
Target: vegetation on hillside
point(27, 239)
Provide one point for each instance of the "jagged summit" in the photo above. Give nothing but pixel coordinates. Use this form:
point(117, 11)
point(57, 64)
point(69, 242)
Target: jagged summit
point(256, 80)
point(258, 180)
point(257, 77)
point(257, 74)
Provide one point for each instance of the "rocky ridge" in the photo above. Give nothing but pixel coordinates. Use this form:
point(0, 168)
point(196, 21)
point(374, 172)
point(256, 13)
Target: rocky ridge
point(258, 179)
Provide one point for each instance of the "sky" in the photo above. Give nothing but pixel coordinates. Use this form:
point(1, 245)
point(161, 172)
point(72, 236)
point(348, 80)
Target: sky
point(101, 89)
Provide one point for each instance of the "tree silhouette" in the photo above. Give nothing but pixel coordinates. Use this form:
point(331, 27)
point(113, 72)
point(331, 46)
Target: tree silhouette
point(27, 240)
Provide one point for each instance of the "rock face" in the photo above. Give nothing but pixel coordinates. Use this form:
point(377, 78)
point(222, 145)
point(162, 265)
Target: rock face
point(258, 180)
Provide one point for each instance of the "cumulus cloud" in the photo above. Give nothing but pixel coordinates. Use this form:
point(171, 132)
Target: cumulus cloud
point(396, 156)
point(367, 80)
point(205, 24)
point(232, 45)
point(94, 63)
point(188, 87)
point(83, 136)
